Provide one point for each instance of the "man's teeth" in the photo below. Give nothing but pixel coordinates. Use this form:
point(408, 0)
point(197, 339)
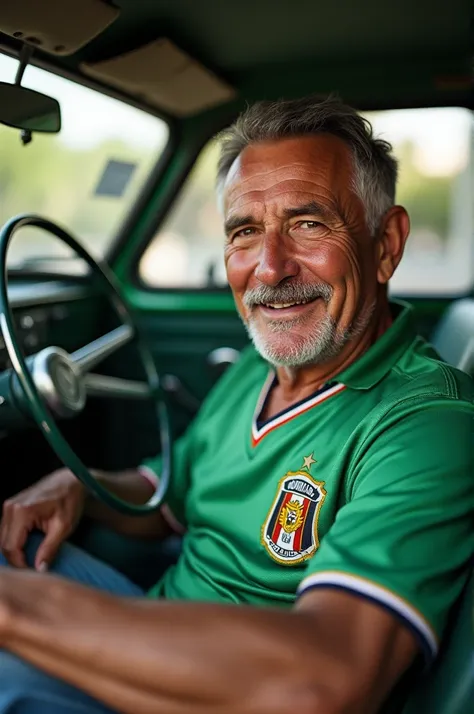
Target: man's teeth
point(281, 305)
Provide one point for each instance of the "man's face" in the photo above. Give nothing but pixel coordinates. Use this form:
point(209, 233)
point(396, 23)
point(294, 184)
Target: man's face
point(299, 257)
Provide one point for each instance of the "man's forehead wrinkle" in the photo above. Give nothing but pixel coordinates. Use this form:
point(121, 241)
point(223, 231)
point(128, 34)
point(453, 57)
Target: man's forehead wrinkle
point(299, 184)
point(268, 182)
point(264, 177)
point(263, 200)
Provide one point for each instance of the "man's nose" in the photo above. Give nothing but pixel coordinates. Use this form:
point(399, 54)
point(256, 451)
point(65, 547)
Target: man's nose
point(275, 261)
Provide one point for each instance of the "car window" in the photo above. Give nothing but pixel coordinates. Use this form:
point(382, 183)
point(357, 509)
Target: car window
point(187, 251)
point(434, 148)
point(87, 177)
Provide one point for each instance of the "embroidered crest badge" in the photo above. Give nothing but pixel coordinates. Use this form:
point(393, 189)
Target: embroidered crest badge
point(290, 531)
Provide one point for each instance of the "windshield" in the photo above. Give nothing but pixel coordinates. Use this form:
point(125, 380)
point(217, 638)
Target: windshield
point(87, 177)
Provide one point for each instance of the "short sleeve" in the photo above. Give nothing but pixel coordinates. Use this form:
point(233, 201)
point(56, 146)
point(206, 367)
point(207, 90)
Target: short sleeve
point(405, 537)
point(175, 498)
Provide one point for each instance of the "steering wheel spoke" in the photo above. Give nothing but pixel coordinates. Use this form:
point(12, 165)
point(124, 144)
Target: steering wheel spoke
point(96, 351)
point(101, 385)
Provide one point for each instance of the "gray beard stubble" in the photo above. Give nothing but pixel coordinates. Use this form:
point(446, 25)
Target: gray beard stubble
point(322, 341)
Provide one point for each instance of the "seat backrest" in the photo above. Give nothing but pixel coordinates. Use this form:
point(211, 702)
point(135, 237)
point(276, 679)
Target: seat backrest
point(449, 686)
point(453, 338)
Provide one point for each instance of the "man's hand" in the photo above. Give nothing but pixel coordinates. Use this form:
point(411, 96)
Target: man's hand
point(54, 506)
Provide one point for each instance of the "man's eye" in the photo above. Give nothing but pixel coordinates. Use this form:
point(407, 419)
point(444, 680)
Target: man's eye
point(243, 233)
point(309, 224)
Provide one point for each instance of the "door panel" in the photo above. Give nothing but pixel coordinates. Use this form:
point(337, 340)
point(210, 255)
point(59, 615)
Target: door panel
point(182, 343)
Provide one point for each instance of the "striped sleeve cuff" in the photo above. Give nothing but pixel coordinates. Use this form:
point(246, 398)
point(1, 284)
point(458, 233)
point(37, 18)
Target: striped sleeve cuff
point(149, 475)
point(403, 610)
point(165, 510)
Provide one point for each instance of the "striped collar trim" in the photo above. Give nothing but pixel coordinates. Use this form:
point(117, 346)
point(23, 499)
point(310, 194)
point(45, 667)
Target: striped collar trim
point(287, 415)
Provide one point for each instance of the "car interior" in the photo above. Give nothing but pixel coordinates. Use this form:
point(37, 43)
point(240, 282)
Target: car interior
point(111, 246)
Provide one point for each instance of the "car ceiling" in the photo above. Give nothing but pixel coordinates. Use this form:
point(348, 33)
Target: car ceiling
point(374, 53)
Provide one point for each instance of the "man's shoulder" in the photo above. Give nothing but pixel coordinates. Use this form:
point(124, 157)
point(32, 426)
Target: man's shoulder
point(420, 372)
point(417, 394)
point(422, 410)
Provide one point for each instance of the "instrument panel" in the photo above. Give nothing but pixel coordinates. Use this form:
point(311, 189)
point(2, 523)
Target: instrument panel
point(54, 315)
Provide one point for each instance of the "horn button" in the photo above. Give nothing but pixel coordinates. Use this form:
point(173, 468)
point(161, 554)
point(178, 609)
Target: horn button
point(59, 381)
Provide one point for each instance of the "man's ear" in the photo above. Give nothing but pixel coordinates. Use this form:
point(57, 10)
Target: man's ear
point(391, 241)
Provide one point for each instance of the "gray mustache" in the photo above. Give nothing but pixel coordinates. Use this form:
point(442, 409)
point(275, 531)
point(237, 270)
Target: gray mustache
point(291, 292)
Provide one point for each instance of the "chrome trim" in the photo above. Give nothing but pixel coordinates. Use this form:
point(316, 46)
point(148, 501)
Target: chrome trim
point(223, 355)
point(44, 293)
point(90, 355)
point(58, 380)
point(101, 385)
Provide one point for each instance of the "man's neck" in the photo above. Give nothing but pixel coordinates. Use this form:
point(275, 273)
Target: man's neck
point(296, 383)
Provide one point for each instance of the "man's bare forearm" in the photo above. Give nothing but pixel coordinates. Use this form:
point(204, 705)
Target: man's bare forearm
point(143, 656)
point(132, 487)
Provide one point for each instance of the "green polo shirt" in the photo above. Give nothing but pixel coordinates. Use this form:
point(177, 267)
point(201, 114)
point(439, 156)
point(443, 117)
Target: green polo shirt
point(366, 486)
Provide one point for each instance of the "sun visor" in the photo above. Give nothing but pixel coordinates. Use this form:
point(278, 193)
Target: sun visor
point(59, 27)
point(164, 76)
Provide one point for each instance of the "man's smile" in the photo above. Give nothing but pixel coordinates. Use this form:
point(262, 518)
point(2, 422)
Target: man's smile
point(287, 309)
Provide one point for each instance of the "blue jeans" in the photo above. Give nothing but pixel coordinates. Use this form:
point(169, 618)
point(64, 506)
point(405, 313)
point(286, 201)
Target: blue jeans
point(24, 689)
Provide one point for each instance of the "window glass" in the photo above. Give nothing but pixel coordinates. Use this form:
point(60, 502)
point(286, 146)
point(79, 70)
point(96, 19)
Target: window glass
point(188, 249)
point(87, 177)
point(434, 148)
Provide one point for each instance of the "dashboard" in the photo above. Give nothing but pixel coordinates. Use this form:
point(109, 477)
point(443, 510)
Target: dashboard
point(49, 313)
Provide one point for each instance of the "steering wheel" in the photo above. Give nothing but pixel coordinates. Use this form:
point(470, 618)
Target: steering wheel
point(55, 382)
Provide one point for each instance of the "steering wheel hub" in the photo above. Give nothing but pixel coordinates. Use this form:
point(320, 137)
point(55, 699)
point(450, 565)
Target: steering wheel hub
point(59, 381)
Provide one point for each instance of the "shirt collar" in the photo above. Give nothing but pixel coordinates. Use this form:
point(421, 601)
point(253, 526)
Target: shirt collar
point(379, 359)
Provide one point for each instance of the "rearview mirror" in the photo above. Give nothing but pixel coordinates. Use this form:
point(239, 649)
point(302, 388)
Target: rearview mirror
point(26, 109)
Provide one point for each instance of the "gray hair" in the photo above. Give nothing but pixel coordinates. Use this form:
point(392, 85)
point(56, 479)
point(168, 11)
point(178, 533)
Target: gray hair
point(375, 169)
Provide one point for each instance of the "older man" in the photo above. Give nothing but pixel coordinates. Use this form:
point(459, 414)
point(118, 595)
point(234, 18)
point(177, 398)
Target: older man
point(326, 484)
